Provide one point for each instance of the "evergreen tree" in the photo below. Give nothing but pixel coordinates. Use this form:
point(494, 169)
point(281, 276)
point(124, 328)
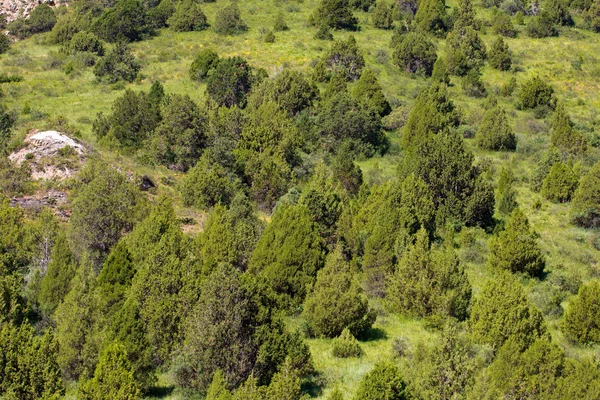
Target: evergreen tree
point(585, 210)
point(464, 15)
point(506, 196)
point(536, 93)
point(502, 312)
point(15, 251)
point(121, 23)
point(383, 382)
point(207, 184)
point(515, 249)
point(345, 57)
point(502, 25)
point(415, 53)
point(540, 26)
point(346, 345)
point(591, 17)
point(440, 72)
point(113, 377)
point(188, 17)
point(204, 63)
point(465, 51)
point(368, 91)
point(118, 64)
point(582, 318)
point(499, 55)
point(429, 282)
point(228, 20)
point(335, 14)
point(230, 82)
point(28, 366)
point(292, 92)
point(494, 133)
point(286, 384)
point(550, 157)
point(564, 136)
point(280, 24)
point(115, 279)
point(127, 328)
point(76, 325)
point(14, 308)
point(103, 209)
point(57, 282)
point(433, 112)
point(289, 254)
point(557, 12)
point(431, 17)
point(337, 302)
point(218, 388)
point(560, 183)
point(382, 17)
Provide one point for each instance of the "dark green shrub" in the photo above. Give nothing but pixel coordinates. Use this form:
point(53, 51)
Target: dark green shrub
point(346, 346)
point(158, 16)
point(464, 51)
point(188, 17)
point(506, 196)
point(383, 382)
point(560, 183)
point(123, 22)
point(382, 16)
point(472, 84)
point(508, 87)
point(502, 25)
point(280, 25)
point(582, 318)
point(557, 12)
point(324, 33)
point(536, 93)
point(431, 17)
point(337, 303)
point(118, 64)
point(335, 14)
point(345, 58)
point(494, 133)
point(228, 21)
point(499, 55)
point(515, 249)
point(440, 72)
point(540, 27)
point(585, 210)
point(41, 19)
point(363, 5)
point(502, 312)
point(207, 184)
point(546, 161)
point(415, 53)
point(204, 64)
point(4, 43)
point(592, 16)
point(230, 82)
point(564, 136)
point(368, 91)
point(86, 42)
point(269, 37)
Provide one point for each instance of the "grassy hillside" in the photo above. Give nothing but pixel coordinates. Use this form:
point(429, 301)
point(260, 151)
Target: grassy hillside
point(48, 96)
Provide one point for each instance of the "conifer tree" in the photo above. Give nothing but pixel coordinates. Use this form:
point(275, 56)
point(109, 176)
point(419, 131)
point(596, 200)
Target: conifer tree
point(76, 325)
point(433, 112)
point(499, 55)
point(218, 388)
point(494, 132)
point(205, 62)
point(14, 242)
point(557, 12)
point(228, 20)
point(286, 384)
point(429, 282)
point(431, 17)
point(550, 157)
point(465, 51)
point(535, 93)
point(502, 25)
point(369, 92)
point(113, 377)
point(14, 307)
point(115, 278)
point(188, 17)
point(280, 24)
point(564, 136)
point(336, 301)
point(585, 210)
point(335, 14)
point(502, 311)
point(345, 57)
point(440, 72)
point(560, 183)
point(415, 53)
point(506, 196)
point(383, 382)
point(515, 249)
point(464, 15)
point(382, 15)
point(289, 254)
point(57, 282)
point(230, 82)
point(582, 318)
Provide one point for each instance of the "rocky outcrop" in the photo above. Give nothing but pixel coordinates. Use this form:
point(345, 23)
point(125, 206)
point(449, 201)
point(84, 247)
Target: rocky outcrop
point(15, 8)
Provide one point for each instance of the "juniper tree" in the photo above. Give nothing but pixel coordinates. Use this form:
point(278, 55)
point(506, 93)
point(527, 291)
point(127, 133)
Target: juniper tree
point(560, 183)
point(431, 17)
point(506, 196)
point(382, 15)
point(228, 20)
point(564, 135)
point(582, 317)
point(335, 14)
point(494, 132)
point(204, 63)
point(535, 93)
point(499, 55)
point(57, 282)
point(188, 17)
point(502, 312)
point(515, 249)
point(415, 53)
point(368, 91)
point(465, 51)
point(585, 209)
point(550, 157)
point(336, 302)
point(383, 382)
